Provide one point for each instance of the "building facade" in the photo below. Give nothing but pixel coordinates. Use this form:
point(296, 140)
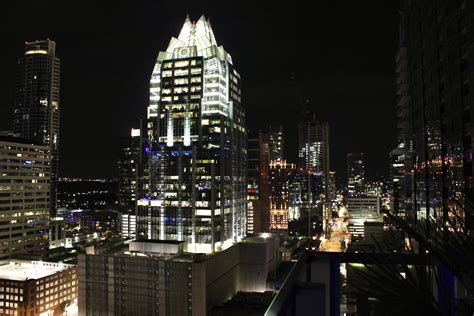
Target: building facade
point(24, 197)
point(158, 278)
point(276, 141)
point(355, 174)
point(313, 149)
point(362, 210)
point(129, 171)
point(258, 186)
point(195, 184)
point(401, 158)
point(57, 232)
point(281, 173)
point(438, 39)
point(332, 186)
point(314, 164)
point(36, 108)
point(128, 226)
point(33, 288)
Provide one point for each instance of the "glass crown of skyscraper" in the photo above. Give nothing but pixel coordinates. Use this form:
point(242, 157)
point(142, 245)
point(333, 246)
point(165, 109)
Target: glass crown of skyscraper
point(198, 34)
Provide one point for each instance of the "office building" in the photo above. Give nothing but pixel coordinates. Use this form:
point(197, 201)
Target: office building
point(355, 174)
point(57, 232)
point(314, 164)
point(33, 288)
point(313, 149)
point(36, 108)
point(159, 278)
point(194, 188)
point(276, 142)
point(362, 210)
point(129, 171)
point(128, 226)
point(295, 194)
point(258, 186)
point(332, 186)
point(281, 173)
point(440, 62)
point(313, 146)
point(24, 197)
point(401, 158)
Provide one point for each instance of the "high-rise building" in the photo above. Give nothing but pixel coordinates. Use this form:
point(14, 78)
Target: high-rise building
point(295, 197)
point(36, 108)
point(332, 185)
point(401, 158)
point(128, 171)
point(258, 186)
point(195, 188)
point(276, 142)
point(440, 63)
point(355, 174)
point(313, 149)
point(24, 197)
point(281, 173)
point(313, 163)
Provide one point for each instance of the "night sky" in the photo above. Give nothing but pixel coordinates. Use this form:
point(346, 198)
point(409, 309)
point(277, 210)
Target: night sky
point(339, 55)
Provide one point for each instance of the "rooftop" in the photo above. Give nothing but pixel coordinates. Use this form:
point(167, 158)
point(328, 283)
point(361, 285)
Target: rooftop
point(22, 270)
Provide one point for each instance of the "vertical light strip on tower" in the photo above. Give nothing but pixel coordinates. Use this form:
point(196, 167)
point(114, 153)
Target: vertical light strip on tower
point(169, 138)
point(187, 129)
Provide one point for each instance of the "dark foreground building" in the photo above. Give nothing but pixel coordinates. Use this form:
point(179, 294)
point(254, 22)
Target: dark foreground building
point(159, 278)
point(435, 66)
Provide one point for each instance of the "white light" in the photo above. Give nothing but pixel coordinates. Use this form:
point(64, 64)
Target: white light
point(187, 130)
point(169, 140)
point(135, 132)
point(265, 235)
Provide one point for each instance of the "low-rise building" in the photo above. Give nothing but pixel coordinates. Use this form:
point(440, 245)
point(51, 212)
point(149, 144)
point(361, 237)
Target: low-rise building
point(37, 288)
point(158, 278)
point(362, 210)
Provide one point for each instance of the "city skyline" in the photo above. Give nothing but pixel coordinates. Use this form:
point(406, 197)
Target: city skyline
point(226, 158)
point(344, 105)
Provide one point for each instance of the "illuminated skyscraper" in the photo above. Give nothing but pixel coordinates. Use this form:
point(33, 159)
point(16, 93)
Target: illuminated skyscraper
point(194, 188)
point(276, 142)
point(36, 108)
point(313, 150)
point(313, 163)
point(355, 174)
